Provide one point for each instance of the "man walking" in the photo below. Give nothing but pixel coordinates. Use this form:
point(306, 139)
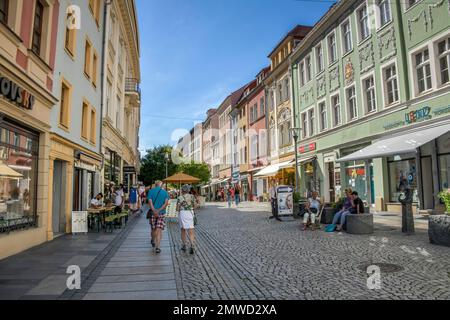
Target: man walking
point(273, 201)
point(158, 200)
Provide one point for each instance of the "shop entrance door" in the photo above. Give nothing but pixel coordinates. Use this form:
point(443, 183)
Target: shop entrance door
point(59, 198)
point(331, 180)
point(427, 183)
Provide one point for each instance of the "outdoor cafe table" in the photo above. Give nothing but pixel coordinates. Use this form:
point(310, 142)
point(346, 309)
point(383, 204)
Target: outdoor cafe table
point(99, 215)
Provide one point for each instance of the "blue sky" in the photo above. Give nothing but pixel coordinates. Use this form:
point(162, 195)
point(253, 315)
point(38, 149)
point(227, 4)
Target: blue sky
point(194, 53)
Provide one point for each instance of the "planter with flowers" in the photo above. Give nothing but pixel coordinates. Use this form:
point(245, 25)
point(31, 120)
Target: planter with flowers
point(439, 225)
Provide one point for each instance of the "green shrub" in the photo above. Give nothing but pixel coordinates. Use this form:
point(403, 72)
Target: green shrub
point(445, 197)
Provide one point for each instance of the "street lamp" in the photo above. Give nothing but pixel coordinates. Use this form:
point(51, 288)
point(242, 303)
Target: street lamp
point(295, 135)
point(166, 157)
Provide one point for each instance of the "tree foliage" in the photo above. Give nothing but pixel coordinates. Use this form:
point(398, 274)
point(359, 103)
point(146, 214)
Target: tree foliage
point(153, 166)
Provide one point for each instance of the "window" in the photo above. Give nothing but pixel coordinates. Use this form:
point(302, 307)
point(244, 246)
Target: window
point(363, 19)
point(312, 119)
point(70, 41)
point(351, 102)
point(323, 116)
point(18, 194)
point(444, 60)
point(423, 71)
point(336, 107)
point(280, 93)
point(93, 126)
point(87, 59)
point(385, 12)
point(347, 36)
point(94, 69)
point(308, 69)
point(118, 108)
point(319, 57)
point(84, 121)
point(390, 78)
point(304, 125)
point(37, 28)
point(64, 110)
point(369, 92)
point(302, 74)
point(262, 108)
point(286, 89)
point(4, 7)
point(94, 7)
point(332, 48)
point(402, 174)
point(410, 3)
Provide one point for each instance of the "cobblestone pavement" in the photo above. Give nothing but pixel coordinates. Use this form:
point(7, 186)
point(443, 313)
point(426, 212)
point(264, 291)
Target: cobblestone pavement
point(244, 255)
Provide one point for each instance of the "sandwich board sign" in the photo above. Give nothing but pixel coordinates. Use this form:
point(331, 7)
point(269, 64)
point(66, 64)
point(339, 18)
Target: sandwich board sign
point(79, 222)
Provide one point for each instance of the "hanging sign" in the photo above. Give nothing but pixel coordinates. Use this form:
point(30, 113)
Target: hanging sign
point(307, 148)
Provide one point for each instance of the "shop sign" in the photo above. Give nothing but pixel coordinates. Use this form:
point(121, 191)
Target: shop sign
point(83, 165)
point(129, 170)
point(307, 148)
point(418, 115)
point(16, 94)
point(415, 116)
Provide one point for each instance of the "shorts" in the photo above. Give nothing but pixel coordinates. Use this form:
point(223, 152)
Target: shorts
point(158, 222)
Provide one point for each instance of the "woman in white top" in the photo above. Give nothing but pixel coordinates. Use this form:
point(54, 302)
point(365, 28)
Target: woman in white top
point(186, 204)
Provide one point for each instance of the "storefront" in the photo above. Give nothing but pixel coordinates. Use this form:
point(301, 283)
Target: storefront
point(129, 177)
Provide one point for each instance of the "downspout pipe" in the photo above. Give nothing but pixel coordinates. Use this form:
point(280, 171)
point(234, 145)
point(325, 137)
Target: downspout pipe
point(102, 101)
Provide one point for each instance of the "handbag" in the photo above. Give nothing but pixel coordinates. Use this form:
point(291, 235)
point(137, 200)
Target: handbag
point(149, 212)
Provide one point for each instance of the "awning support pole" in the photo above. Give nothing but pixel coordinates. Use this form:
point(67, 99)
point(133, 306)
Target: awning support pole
point(368, 181)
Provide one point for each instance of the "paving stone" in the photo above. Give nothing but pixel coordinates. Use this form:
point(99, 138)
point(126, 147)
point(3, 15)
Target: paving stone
point(52, 285)
point(140, 295)
point(133, 286)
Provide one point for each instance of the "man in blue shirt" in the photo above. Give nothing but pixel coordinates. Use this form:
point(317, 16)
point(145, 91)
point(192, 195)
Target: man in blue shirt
point(158, 200)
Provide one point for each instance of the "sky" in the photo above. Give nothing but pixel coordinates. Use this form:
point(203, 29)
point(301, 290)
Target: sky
point(194, 53)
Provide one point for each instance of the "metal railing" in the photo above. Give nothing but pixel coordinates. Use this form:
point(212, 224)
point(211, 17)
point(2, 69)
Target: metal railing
point(132, 85)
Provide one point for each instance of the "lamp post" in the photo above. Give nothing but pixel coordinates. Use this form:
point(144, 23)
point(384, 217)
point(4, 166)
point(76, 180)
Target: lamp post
point(295, 135)
point(166, 157)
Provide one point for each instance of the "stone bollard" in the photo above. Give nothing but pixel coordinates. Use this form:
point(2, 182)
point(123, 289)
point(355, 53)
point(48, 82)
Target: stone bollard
point(407, 212)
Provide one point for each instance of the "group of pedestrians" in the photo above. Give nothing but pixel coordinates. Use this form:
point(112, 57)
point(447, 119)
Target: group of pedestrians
point(187, 202)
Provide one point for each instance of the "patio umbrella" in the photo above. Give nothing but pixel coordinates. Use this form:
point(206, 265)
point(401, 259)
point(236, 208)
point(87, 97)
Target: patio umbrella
point(7, 172)
point(180, 178)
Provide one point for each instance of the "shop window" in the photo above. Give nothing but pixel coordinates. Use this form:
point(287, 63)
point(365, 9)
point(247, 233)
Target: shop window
point(4, 7)
point(402, 174)
point(18, 178)
point(444, 172)
point(355, 174)
point(37, 28)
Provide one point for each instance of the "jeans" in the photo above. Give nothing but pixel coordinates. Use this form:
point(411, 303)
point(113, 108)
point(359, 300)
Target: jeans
point(229, 201)
point(341, 217)
point(237, 199)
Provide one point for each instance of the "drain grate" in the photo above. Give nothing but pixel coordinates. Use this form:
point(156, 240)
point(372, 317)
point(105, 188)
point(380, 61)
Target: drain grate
point(384, 267)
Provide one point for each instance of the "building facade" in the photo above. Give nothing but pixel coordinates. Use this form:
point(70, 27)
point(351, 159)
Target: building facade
point(75, 159)
point(280, 111)
point(378, 71)
point(122, 96)
point(28, 32)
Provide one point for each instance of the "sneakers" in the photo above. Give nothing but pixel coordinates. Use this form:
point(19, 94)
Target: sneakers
point(158, 250)
point(191, 251)
point(183, 248)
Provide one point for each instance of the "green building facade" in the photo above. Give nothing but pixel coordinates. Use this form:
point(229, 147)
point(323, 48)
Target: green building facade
point(371, 94)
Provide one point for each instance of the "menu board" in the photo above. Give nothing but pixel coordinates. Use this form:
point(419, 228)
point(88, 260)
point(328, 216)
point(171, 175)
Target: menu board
point(79, 222)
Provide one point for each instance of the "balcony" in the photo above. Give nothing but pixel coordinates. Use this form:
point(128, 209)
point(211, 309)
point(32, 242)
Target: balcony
point(132, 88)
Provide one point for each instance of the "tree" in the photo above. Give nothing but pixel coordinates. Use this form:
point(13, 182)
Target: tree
point(153, 165)
point(197, 170)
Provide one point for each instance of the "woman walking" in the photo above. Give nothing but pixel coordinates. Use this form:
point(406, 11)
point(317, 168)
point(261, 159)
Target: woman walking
point(185, 206)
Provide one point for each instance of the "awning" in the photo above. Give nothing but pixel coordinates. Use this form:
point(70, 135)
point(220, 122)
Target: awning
point(273, 169)
point(204, 187)
point(397, 145)
point(306, 160)
point(8, 173)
